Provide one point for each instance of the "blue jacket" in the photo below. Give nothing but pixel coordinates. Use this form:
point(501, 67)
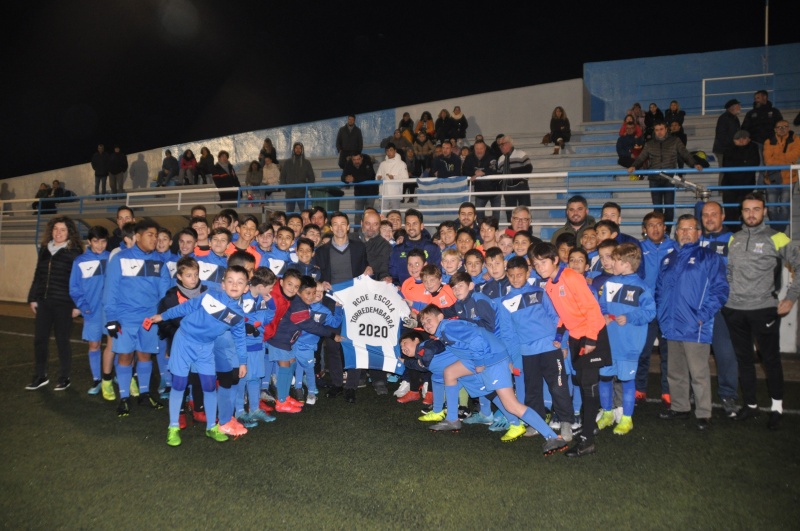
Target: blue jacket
point(528, 322)
point(258, 312)
point(494, 289)
point(625, 238)
point(321, 314)
point(276, 260)
point(652, 256)
point(397, 263)
point(479, 309)
point(627, 295)
point(469, 341)
point(297, 319)
point(717, 242)
point(691, 289)
point(133, 281)
point(212, 269)
point(86, 283)
point(168, 279)
point(207, 317)
point(310, 270)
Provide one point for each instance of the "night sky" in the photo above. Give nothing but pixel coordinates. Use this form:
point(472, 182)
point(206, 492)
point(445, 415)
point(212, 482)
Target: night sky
point(146, 73)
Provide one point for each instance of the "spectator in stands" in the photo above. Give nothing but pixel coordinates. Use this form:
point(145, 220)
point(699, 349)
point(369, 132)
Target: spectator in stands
point(662, 152)
point(478, 166)
point(782, 149)
point(50, 301)
point(741, 153)
point(205, 167)
point(399, 141)
point(100, 168)
point(449, 164)
point(426, 125)
point(674, 114)
point(225, 177)
point(169, 169)
point(296, 170)
point(349, 140)
point(267, 152)
point(360, 169)
point(761, 121)
point(423, 150)
point(652, 116)
point(394, 173)
point(638, 115)
point(560, 132)
point(271, 175)
point(513, 161)
point(406, 127)
point(727, 126)
point(578, 218)
point(44, 191)
point(117, 168)
point(416, 168)
point(630, 144)
point(676, 129)
point(188, 171)
point(253, 177)
point(460, 123)
point(444, 126)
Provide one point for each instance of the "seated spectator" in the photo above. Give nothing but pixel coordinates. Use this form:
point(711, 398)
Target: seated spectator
point(188, 165)
point(559, 129)
point(169, 169)
point(267, 152)
point(253, 177)
point(271, 175)
point(399, 142)
point(406, 127)
point(638, 115)
point(630, 144)
point(423, 150)
point(425, 124)
point(205, 166)
point(651, 117)
point(782, 149)
point(674, 114)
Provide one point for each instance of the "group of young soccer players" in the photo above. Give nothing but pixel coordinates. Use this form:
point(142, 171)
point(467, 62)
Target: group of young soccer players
point(538, 332)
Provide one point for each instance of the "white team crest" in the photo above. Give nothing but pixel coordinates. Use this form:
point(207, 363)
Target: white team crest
point(228, 318)
point(759, 248)
point(629, 295)
point(691, 260)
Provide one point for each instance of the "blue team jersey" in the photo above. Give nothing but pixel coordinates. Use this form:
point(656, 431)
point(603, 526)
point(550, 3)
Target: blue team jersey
point(528, 317)
point(132, 289)
point(212, 269)
point(312, 270)
point(627, 295)
point(494, 289)
point(470, 342)
point(87, 282)
point(717, 242)
point(321, 314)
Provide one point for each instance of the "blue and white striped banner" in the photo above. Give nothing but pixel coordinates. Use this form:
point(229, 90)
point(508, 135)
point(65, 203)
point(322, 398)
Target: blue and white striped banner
point(444, 207)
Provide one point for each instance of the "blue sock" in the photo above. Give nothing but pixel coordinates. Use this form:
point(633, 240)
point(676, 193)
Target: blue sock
point(144, 370)
point(512, 419)
point(175, 403)
point(253, 394)
point(606, 390)
point(163, 363)
point(241, 389)
point(532, 419)
point(210, 405)
point(224, 405)
point(298, 375)
point(438, 396)
point(284, 382)
point(628, 397)
point(486, 406)
point(94, 364)
point(451, 395)
point(124, 377)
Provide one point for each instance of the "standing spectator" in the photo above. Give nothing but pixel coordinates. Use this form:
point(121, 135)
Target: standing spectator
point(253, 177)
point(753, 311)
point(272, 175)
point(560, 132)
point(727, 126)
point(761, 121)
point(169, 169)
point(50, 301)
point(43, 192)
point(448, 165)
point(444, 126)
point(360, 169)
point(349, 140)
point(394, 173)
point(267, 152)
point(100, 168)
point(478, 166)
point(205, 166)
point(651, 117)
point(513, 161)
point(690, 291)
point(188, 165)
point(782, 148)
point(225, 177)
point(406, 127)
point(296, 170)
point(629, 144)
point(674, 114)
point(662, 151)
point(117, 167)
point(460, 123)
point(740, 154)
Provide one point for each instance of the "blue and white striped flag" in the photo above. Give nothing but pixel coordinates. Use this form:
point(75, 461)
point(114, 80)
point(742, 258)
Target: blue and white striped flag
point(373, 316)
point(443, 207)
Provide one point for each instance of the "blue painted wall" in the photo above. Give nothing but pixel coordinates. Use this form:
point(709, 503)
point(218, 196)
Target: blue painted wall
point(615, 85)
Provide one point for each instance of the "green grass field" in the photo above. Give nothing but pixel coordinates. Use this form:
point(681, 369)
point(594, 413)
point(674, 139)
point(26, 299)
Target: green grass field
point(70, 463)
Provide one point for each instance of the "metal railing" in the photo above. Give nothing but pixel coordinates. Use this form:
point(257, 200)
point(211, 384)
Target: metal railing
point(729, 94)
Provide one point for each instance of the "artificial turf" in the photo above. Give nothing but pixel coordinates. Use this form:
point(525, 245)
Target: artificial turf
point(68, 462)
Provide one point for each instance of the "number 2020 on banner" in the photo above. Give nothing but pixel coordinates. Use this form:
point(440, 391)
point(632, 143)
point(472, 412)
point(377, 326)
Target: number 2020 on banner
point(368, 330)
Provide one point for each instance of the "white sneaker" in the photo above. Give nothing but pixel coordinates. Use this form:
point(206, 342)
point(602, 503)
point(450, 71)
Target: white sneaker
point(311, 399)
point(403, 390)
point(424, 390)
point(555, 425)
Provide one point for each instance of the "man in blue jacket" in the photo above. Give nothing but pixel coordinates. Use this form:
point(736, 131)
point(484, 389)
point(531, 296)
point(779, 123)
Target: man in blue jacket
point(690, 291)
point(415, 238)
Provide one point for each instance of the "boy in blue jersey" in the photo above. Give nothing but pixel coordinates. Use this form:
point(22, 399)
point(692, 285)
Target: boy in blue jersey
point(306, 346)
point(451, 264)
point(187, 241)
point(132, 286)
point(474, 265)
point(606, 263)
point(528, 324)
point(497, 285)
point(214, 263)
point(264, 242)
point(589, 244)
point(564, 244)
point(205, 318)
point(521, 243)
point(305, 259)
point(482, 363)
point(628, 306)
point(86, 284)
point(447, 235)
point(282, 253)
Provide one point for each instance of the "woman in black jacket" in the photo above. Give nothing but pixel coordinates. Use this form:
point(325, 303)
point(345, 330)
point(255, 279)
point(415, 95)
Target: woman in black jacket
point(50, 301)
point(205, 166)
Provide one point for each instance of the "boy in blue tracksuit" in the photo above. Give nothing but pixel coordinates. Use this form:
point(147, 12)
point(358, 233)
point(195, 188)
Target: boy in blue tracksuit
point(133, 281)
point(628, 306)
point(204, 319)
point(86, 284)
point(307, 344)
point(305, 259)
point(282, 253)
point(214, 263)
point(479, 353)
point(497, 285)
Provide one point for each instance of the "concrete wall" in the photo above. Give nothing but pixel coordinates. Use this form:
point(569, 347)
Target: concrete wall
point(18, 262)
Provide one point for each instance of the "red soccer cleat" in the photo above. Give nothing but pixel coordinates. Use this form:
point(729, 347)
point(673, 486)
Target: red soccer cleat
point(428, 400)
point(641, 397)
point(293, 402)
point(286, 407)
point(666, 400)
point(199, 416)
point(182, 421)
point(266, 408)
point(411, 396)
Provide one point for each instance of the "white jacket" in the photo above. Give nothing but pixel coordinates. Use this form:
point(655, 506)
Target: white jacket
point(397, 168)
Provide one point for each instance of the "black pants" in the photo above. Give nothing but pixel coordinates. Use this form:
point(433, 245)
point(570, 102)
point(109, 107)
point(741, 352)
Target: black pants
point(547, 366)
point(49, 316)
point(587, 377)
point(334, 362)
point(762, 327)
point(516, 200)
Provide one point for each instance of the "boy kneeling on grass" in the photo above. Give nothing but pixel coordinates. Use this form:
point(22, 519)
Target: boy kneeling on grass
point(205, 318)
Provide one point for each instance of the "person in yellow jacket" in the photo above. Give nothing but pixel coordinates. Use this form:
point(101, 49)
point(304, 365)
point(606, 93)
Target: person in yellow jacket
point(781, 150)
